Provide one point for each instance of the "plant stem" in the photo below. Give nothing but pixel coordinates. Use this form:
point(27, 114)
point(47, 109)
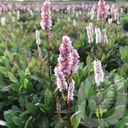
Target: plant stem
point(49, 62)
point(49, 72)
point(91, 48)
point(68, 114)
point(99, 117)
point(99, 114)
point(58, 105)
point(26, 124)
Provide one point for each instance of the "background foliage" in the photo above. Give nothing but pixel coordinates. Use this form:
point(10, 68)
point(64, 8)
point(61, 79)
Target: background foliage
point(25, 97)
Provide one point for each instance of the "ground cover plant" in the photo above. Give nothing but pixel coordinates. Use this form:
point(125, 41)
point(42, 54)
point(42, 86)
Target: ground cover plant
point(64, 65)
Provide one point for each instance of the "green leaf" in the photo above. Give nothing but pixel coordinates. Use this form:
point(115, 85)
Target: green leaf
point(122, 122)
point(81, 95)
point(123, 69)
point(9, 54)
point(88, 89)
point(26, 83)
point(44, 108)
point(8, 117)
point(12, 77)
point(32, 108)
point(27, 71)
point(89, 59)
point(123, 52)
point(25, 113)
point(5, 89)
point(81, 108)
point(35, 78)
point(116, 114)
point(22, 76)
point(75, 119)
point(3, 70)
point(47, 96)
point(22, 101)
point(17, 121)
point(103, 57)
point(15, 87)
point(92, 105)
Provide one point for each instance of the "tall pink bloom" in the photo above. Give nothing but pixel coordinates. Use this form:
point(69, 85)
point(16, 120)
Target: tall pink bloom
point(64, 57)
point(98, 35)
point(67, 64)
point(102, 8)
point(99, 74)
point(61, 81)
point(70, 91)
point(89, 34)
point(46, 22)
point(74, 60)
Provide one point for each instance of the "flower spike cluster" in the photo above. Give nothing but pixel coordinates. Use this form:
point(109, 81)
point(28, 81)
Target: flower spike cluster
point(98, 35)
point(61, 81)
point(46, 22)
point(64, 57)
point(102, 8)
point(71, 91)
point(99, 74)
point(67, 65)
point(90, 32)
point(74, 60)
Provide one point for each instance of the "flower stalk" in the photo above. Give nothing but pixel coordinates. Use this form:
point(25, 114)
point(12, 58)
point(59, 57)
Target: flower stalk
point(99, 78)
point(67, 66)
point(46, 24)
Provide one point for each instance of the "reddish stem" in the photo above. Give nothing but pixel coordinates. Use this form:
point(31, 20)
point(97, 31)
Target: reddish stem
point(68, 114)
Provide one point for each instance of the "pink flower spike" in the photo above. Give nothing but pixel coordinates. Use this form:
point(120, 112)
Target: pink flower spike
point(99, 74)
point(61, 81)
point(89, 33)
point(46, 22)
point(74, 60)
point(70, 91)
point(98, 35)
point(102, 8)
point(64, 56)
